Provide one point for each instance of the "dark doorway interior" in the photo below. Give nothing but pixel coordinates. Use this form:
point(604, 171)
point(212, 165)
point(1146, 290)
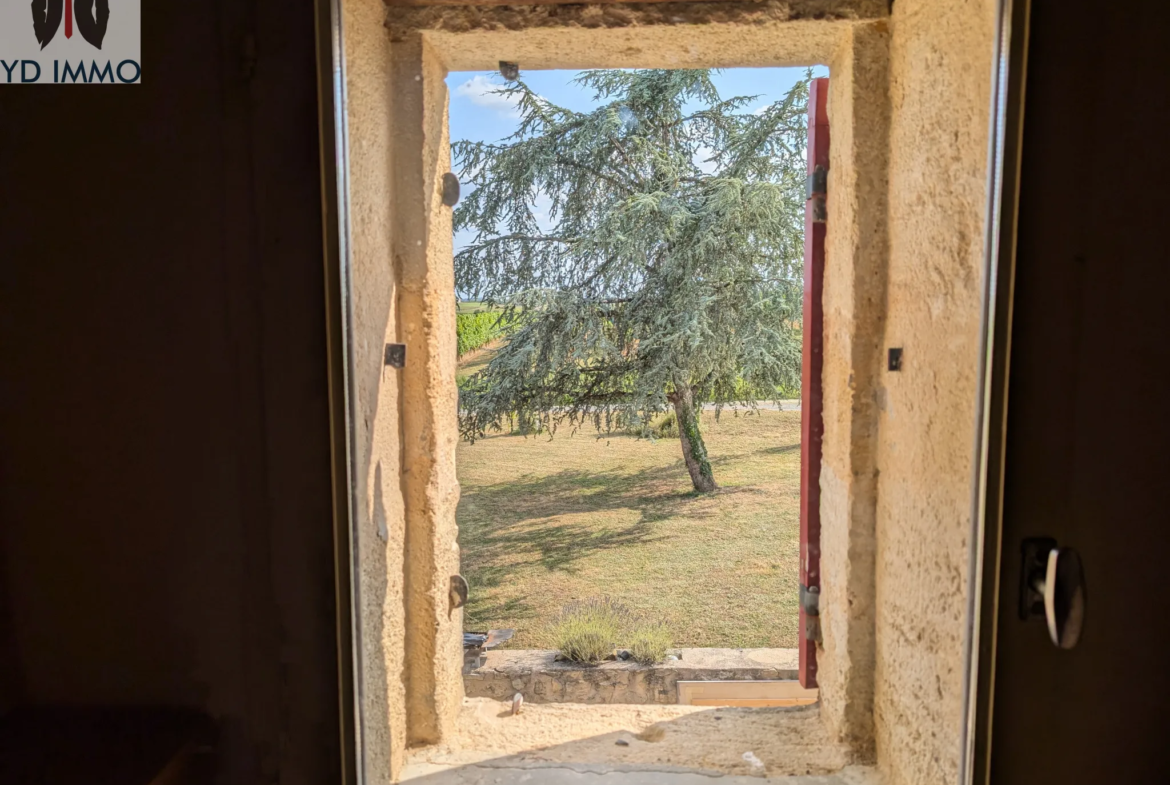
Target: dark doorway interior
point(1088, 438)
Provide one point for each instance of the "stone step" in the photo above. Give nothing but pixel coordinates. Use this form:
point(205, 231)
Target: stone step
point(541, 679)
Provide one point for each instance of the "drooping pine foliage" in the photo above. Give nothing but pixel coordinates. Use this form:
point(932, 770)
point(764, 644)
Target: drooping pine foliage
point(669, 270)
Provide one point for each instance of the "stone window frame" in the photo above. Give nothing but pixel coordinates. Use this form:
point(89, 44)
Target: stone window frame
point(406, 119)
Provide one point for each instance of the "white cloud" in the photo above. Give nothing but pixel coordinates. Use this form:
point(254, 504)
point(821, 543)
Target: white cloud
point(480, 90)
point(761, 109)
point(702, 160)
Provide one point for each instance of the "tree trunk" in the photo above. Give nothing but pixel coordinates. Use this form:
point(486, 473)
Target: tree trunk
point(694, 451)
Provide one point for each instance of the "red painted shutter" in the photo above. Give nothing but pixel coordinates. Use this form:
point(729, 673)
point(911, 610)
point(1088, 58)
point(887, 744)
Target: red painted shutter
point(812, 424)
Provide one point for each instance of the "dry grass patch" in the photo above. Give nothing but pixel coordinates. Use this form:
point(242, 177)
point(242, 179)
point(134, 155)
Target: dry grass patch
point(546, 522)
point(475, 361)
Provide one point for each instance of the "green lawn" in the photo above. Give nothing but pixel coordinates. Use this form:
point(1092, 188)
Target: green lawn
point(543, 522)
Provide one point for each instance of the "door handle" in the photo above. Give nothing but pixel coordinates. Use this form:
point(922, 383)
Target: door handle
point(1053, 588)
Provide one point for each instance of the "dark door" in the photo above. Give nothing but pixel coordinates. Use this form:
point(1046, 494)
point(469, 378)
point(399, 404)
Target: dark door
point(1088, 403)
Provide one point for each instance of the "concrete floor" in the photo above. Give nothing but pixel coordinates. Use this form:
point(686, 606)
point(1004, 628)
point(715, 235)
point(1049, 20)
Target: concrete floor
point(623, 744)
point(582, 774)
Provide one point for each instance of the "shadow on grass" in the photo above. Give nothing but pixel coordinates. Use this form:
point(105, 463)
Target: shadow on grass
point(506, 527)
point(516, 523)
point(781, 450)
point(554, 521)
point(489, 608)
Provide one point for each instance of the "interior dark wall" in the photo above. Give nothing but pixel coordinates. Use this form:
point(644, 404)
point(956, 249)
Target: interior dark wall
point(165, 507)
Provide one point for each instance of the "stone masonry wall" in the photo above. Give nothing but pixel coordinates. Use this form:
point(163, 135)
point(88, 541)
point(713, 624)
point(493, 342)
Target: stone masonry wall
point(940, 88)
point(903, 269)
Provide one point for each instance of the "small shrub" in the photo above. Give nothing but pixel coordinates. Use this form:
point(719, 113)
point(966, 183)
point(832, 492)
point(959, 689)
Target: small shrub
point(649, 642)
point(587, 631)
point(665, 426)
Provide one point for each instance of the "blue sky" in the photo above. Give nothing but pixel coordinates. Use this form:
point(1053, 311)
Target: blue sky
point(478, 115)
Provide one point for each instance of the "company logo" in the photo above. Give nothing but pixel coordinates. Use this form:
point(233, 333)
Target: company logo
point(47, 14)
point(70, 42)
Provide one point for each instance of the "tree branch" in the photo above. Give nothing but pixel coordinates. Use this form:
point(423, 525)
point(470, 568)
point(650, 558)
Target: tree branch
point(626, 158)
point(534, 238)
point(602, 175)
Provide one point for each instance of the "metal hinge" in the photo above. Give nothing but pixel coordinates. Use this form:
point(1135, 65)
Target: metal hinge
point(450, 191)
point(810, 603)
point(816, 185)
point(457, 594)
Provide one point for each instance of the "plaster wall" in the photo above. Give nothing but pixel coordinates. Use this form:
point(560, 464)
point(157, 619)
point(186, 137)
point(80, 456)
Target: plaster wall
point(940, 88)
point(653, 35)
point(379, 518)
point(423, 45)
point(422, 247)
point(909, 111)
point(405, 491)
point(856, 253)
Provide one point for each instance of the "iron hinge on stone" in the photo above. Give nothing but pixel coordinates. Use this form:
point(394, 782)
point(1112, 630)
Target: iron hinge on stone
point(816, 185)
point(396, 355)
point(457, 593)
point(450, 191)
point(810, 603)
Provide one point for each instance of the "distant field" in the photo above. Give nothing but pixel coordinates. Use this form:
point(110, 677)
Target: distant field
point(475, 361)
point(543, 522)
point(476, 326)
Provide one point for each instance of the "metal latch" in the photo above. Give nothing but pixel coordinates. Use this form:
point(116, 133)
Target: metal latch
point(1052, 588)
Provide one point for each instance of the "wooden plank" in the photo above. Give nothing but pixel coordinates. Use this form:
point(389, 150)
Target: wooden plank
point(753, 702)
point(745, 693)
point(811, 404)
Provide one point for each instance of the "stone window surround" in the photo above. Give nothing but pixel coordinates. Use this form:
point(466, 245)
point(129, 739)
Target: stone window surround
point(424, 45)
